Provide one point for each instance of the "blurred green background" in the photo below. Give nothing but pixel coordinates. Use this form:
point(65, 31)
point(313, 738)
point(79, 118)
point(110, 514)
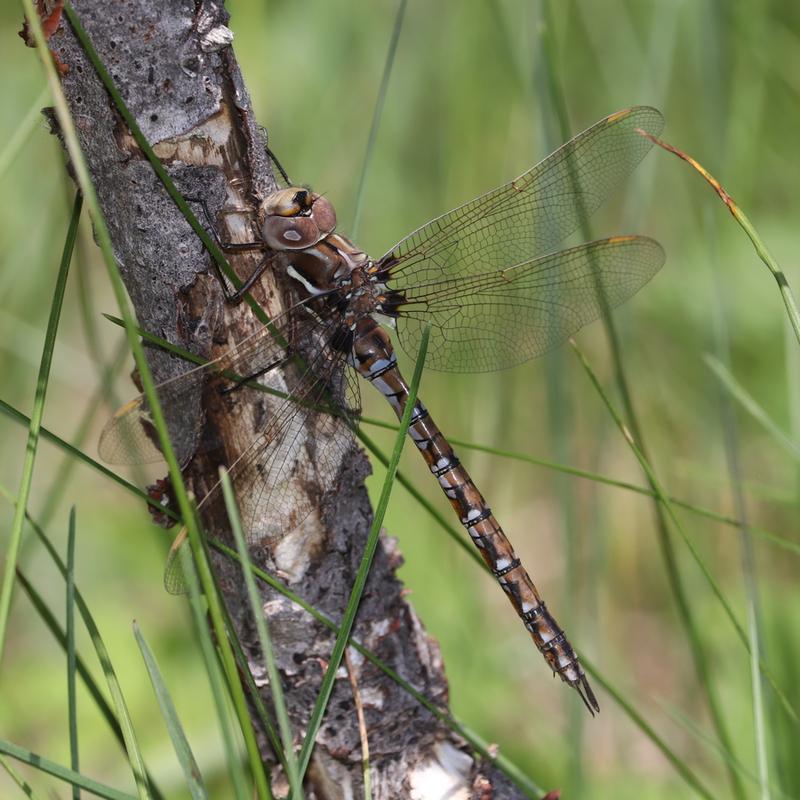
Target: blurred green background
point(469, 106)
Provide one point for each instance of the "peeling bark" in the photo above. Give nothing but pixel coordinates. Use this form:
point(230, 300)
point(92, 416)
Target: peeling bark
point(177, 73)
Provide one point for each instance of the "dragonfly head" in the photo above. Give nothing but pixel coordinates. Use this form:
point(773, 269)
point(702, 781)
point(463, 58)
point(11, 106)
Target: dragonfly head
point(295, 218)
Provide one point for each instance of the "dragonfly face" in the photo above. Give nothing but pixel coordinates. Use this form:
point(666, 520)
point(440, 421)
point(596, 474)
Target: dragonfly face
point(295, 219)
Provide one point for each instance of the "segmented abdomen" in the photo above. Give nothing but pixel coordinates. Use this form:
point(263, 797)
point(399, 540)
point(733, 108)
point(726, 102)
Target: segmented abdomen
point(376, 361)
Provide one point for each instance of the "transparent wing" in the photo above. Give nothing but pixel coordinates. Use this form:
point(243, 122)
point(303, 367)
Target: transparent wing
point(530, 215)
point(129, 436)
point(302, 445)
point(501, 318)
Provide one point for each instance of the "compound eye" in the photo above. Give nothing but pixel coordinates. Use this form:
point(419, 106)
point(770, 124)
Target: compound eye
point(290, 233)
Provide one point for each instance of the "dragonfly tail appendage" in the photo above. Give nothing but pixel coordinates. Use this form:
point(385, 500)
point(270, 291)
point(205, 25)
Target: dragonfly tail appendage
point(377, 362)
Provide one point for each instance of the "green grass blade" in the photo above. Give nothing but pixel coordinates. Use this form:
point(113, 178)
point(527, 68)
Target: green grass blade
point(15, 537)
point(751, 406)
point(363, 570)
point(733, 458)
point(22, 784)
point(215, 676)
point(265, 640)
point(376, 115)
point(72, 703)
point(677, 762)
point(255, 696)
point(123, 715)
point(191, 772)
point(62, 773)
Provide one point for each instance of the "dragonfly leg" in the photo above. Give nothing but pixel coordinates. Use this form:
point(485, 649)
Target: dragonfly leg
point(225, 246)
point(233, 247)
point(238, 295)
point(239, 382)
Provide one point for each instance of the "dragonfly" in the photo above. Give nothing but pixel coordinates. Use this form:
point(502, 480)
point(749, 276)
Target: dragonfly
point(490, 283)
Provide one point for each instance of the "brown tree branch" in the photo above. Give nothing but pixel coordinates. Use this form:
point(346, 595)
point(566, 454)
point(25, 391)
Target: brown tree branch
point(179, 77)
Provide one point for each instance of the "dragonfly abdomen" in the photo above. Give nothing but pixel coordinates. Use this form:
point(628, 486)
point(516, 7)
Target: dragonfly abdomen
point(375, 360)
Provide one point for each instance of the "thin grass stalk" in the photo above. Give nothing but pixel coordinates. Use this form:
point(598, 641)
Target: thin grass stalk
point(62, 773)
point(215, 676)
point(255, 696)
point(559, 410)
point(26, 480)
point(735, 390)
point(732, 455)
point(148, 385)
point(123, 715)
point(363, 569)
point(265, 640)
point(665, 542)
point(709, 742)
point(59, 634)
point(377, 113)
point(191, 772)
point(22, 784)
point(72, 703)
point(362, 726)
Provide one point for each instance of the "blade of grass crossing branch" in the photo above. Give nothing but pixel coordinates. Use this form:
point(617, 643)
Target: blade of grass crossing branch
point(264, 638)
point(363, 570)
point(214, 676)
point(191, 772)
point(72, 704)
point(15, 537)
point(157, 416)
point(687, 618)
